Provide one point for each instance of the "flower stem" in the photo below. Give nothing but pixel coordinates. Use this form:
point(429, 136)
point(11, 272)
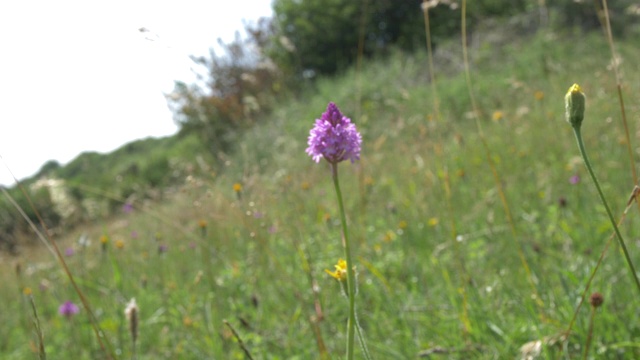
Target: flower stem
point(351, 278)
point(583, 152)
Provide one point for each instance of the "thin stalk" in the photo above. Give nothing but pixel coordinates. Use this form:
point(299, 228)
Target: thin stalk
point(42, 354)
point(616, 72)
point(494, 170)
point(432, 73)
point(587, 346)
point(239, 339)
point(583, 152)
point(351, 277)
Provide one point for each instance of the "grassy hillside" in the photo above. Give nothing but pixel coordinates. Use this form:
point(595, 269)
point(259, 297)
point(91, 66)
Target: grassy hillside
point(441, 268)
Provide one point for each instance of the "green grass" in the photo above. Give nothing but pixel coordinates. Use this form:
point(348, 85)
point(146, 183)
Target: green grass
point(261, 263)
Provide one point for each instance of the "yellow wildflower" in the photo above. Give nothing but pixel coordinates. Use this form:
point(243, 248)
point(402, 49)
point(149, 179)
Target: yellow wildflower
point(402, 224)
point(27, 291)
point(202, 223)
point(497, 115)
point(187, 321)
point(104, 239)
point(237, 187)
point(341, 271)
point(539, 95)
point(119, 244)
point(389, 236)
point(433, 221)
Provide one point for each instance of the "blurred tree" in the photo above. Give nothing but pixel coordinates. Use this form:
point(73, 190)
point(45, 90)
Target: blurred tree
point(239, 86)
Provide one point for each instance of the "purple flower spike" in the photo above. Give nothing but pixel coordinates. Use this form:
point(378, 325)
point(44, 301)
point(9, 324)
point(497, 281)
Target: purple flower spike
point(68, 309)
point(334, 137)
point(574, 179)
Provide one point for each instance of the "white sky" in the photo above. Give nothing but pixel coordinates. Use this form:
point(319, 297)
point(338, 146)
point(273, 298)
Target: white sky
point(78, 75)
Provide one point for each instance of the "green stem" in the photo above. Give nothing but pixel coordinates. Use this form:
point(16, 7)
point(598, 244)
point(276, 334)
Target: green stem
point(583, 152)
point(351, 278)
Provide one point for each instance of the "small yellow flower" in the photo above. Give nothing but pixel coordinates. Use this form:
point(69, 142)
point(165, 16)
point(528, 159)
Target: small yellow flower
point(237, 187)
point(368, 180)
point(389, 236)
point(305, 185)
point(202, 223)
point(119, 244)
point(27, 291)
point(104, 239)
point(497, 115)
point(433, 221)
point(187, 321)
point(402, 224)
point(539, 95)
point(341, 271)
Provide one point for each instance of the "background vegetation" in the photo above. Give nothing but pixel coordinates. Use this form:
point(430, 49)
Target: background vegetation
point(439, 270)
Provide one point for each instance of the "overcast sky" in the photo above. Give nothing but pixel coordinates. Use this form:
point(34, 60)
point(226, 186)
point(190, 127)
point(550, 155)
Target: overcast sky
point(79, 75)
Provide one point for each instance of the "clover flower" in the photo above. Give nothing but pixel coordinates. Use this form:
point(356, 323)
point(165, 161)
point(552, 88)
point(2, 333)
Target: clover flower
point(334, 137)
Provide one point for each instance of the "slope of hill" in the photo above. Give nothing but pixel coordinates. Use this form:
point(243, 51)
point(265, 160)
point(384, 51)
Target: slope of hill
point(466, 244)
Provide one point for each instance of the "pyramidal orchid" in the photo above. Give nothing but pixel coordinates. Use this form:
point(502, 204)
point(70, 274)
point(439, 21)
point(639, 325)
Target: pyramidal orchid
point(335, 138)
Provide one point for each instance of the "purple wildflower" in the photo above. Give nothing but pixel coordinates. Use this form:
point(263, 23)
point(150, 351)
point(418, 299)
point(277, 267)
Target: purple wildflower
point(127, 208)
point(69, 252)
point(334, 137)
point(162, 249)
point(68, 309)
point(574, 179)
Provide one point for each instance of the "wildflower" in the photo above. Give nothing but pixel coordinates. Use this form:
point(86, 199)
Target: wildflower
point(596, 299)
point(68, 309)
point(389, 236)
point(433, 221)
point(497, 115)
point(127, 208)
point(104, 239)
point(237, 187)
point(326, 217)
point(119, 244)
point(69, 251)
point(202, 223)
point(134, 234)
point(574, 179)
point(575, 105)
point(341, 271)
point(539, 95)
point(131, 312)
point(334, 137)
point(27, 291)
point(562, 202)
point(162, 249)
point(305, 185)
point(187, 321)
point(402, 224)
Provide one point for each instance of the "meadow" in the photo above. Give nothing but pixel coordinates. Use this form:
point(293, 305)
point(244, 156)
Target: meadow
point(470, 239)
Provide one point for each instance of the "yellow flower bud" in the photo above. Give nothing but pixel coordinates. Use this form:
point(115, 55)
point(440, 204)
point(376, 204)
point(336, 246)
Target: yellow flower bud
point(575, 104)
